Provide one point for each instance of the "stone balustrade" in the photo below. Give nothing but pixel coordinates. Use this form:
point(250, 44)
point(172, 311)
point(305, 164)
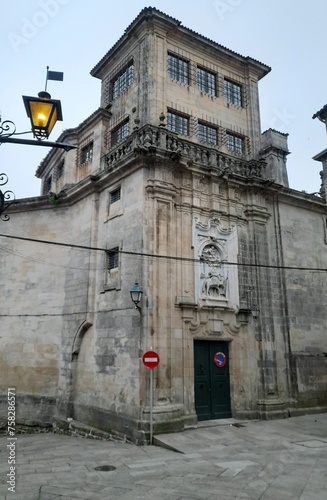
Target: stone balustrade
point(150, 140)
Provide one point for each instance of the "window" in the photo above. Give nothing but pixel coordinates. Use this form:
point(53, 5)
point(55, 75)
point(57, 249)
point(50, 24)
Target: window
point(115, 195)
point(233, 93)
point(86, 153)
point(207, 134)
point(177, 123)
point(178, 68)
point(48, 184)
point(206, 81)
point(60, 169)
point(120, 132)
point(122, 80)
point(113, 258)
point(235, 143)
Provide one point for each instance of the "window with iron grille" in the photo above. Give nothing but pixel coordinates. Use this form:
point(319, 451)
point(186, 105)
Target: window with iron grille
point(177, 123)
point(120, 132)
point(206, 81)
point(113, 258)
point(235, 143)
point(178, 68)
point(86, 153)
point(122, 80)
point(207, 134)
point(233, 92)
point(115, 195)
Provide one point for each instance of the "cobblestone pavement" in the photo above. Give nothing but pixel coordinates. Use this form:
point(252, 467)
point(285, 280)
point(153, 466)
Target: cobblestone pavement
point(275, 460)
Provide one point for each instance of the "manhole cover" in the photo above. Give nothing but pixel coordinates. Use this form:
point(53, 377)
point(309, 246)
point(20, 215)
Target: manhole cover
point(105, 467)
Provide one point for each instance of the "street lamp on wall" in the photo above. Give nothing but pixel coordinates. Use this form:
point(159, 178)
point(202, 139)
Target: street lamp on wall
point(43, 112)
point(136, 295)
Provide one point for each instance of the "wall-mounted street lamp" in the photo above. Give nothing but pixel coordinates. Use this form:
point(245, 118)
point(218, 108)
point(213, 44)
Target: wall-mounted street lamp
point(136, 295)
point(44, 113)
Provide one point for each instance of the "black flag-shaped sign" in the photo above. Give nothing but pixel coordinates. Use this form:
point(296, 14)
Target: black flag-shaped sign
point(55, 75)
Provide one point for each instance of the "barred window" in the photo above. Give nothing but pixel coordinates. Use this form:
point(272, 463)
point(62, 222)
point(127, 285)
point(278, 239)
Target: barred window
point(86, 153)
point(115, 195)
point(235, 143)
point(178, 123)
point(207, 134)
point(120, 132)
point(233, 93)
point(206, 81)
point(113, 258)
point(122, 80)
point(178, 68)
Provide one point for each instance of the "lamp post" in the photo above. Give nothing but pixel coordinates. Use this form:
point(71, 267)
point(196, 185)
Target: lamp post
point(44, 113)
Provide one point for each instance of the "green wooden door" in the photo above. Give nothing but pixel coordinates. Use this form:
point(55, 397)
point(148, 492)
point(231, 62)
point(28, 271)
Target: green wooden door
point(211, 374)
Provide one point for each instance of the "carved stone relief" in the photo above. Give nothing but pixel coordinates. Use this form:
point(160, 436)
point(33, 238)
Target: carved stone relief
point(215, 245)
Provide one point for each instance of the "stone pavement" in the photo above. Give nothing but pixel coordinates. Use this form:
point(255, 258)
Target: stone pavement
point(274, 460)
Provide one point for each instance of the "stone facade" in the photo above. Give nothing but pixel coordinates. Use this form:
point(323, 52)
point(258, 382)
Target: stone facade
point(225, 252)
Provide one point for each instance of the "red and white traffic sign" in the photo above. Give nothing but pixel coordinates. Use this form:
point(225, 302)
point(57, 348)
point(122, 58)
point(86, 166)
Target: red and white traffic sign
point(150, 359)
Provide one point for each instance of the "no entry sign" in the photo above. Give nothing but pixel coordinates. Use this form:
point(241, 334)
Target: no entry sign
point(150, 359)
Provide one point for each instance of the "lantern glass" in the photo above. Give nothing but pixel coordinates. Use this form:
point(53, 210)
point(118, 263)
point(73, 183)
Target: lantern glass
point(43, 113)
point(136, 293)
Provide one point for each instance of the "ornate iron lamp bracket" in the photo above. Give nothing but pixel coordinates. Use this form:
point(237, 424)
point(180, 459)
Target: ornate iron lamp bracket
point(7, 198)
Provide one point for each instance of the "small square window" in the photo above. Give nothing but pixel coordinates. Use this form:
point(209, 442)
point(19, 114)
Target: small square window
point(178, 68)
point(113, 258)
point(235, 143)
point(120, 132)
point(233, 93)
point(115, 196)
point(206, 81)
point(122, 80)
point(86, 154)
point(178, 123)
point(207, 134)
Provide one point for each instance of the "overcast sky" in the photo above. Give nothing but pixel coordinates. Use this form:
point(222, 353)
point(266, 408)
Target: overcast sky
point(73, 35)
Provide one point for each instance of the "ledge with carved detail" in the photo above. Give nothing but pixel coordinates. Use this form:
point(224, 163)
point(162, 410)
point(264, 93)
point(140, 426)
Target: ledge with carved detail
point(151, 140)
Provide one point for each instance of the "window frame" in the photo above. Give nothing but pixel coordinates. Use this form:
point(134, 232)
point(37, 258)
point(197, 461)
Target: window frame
point(208, 128)
point(86, 153)
point(122, 80)
point(178, 68)
point(180, 121)
point(206, 86)
point(115, 195)
point(233, 92)
point(113, 256)
point(235, 145)
point(120, 132)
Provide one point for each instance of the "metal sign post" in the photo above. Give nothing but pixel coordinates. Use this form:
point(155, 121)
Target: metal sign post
point(151, 360)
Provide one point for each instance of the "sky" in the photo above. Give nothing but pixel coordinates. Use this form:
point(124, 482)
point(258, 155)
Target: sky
point(73, 35)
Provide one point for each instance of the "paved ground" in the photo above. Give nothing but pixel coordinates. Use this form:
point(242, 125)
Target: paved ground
point(277, 460)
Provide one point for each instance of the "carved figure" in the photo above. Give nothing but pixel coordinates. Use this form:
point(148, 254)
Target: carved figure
point(211, 254)
point(214, 285)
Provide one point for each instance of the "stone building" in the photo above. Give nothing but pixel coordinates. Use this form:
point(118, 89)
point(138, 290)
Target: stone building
point(174, 186)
